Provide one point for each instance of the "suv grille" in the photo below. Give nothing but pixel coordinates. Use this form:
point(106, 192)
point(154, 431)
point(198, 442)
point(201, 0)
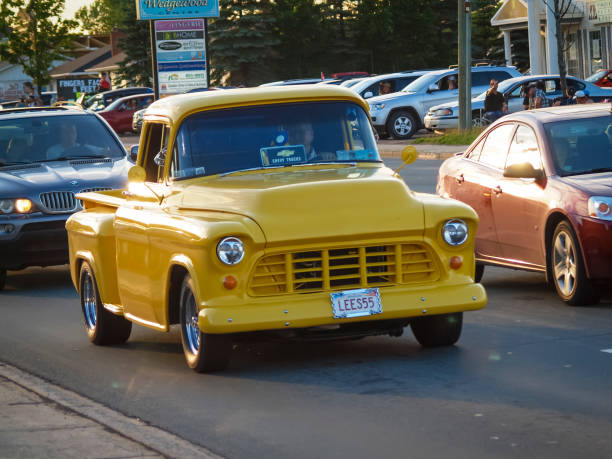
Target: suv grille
point(59, 201)
point(343, 268)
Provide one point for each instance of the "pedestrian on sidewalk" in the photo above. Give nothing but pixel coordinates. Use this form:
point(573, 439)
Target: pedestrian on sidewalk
point(495, 104)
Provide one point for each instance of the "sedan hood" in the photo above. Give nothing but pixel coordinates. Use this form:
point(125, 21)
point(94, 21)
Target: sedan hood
point(334, 203)
point(75, 175)
point(592, 184)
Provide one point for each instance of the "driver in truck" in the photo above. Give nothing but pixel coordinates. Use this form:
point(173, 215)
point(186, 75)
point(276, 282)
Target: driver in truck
point(68, 137)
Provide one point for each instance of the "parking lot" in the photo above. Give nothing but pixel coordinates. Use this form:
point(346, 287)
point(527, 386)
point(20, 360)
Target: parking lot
point(530, 377)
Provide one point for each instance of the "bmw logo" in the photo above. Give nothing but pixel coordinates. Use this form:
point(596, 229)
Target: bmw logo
point(74, 183)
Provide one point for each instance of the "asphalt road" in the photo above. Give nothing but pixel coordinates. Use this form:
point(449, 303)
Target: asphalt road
point(527, 379)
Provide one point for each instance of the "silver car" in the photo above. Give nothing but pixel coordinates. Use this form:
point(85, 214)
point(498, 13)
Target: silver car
point(401, 114)
point(445, 116)
point(368, 87)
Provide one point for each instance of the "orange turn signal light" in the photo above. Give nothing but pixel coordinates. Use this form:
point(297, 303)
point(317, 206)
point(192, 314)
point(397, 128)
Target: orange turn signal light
point(230, 282)
point(456, 262)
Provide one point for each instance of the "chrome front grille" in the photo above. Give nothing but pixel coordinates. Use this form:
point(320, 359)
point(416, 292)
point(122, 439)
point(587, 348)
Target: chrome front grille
point(343, 268)
point(58, 201)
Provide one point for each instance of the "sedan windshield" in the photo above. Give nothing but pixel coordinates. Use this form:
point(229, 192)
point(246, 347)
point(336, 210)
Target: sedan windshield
point(50, 138)
point(581, 146)
point(222, 141)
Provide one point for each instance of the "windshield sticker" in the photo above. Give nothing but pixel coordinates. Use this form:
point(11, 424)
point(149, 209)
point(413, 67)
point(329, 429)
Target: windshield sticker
point(283, 156)
point(356, 155)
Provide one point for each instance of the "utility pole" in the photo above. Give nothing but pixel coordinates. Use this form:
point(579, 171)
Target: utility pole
point(464, 9)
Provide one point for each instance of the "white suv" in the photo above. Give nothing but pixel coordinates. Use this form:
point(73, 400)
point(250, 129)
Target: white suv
point(401, 114)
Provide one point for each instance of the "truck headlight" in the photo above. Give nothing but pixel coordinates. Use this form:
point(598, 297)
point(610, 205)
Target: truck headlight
point(455, 232)
point(6, 206)
point(600, 207)
point(230, 250)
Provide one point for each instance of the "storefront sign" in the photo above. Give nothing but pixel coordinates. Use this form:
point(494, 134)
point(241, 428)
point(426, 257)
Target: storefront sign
point(69, 89)
point(176, 9)
point(600, 11)
point(181, 55)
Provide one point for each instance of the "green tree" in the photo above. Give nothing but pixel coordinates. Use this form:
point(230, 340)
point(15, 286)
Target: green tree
point(102, 16)
point(137, 67)
point(487, 41)
point(35, 35)
point(242, 42)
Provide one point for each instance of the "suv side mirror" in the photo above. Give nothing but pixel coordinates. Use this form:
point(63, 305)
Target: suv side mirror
point(133, 153)
point(368, 94)
point(523, 170)
point(433, 87)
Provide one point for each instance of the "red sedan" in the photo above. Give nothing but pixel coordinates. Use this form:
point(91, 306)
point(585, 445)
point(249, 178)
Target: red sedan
point(602, 78)
point(541, 183)
point(119, 114)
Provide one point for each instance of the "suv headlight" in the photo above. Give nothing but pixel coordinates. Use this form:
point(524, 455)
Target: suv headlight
point(455, 232)
point(376, 107)
point(21, 206)
point(230, 250)
point(443, 112)
point(600, 207)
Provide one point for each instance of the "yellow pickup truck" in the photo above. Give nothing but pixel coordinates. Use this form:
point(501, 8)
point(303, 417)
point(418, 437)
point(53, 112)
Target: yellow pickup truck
point(268, 211)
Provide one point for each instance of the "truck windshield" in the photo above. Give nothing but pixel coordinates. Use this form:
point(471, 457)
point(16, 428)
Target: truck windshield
point(221, 141)
point(47, 138)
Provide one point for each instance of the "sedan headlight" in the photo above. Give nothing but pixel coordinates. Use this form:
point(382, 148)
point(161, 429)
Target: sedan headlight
point(376, 107)
point(21, 206)
point(455, 232)
point(230, 250)
point(600, 207)
point(443, 112)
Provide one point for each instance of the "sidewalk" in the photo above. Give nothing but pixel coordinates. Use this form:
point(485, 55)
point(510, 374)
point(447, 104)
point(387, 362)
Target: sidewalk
point(41, 420)
point(393, 149)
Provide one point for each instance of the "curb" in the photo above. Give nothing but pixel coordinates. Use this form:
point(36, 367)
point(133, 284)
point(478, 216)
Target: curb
point(134, 429)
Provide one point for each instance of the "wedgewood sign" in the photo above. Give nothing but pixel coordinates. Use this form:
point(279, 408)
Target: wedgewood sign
point(176, 9)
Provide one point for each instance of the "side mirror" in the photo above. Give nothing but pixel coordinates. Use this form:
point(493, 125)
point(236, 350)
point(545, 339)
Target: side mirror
point(137, 174)
point(368, 94)
point(523, 170)
point(409, 155)
point(433, 87)
point(133, 153)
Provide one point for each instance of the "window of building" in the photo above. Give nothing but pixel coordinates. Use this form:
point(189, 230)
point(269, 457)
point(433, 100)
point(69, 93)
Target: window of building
point(595, 48)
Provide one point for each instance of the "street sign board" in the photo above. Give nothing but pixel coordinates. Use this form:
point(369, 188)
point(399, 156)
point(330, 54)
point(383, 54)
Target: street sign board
point(181, 55)
point(176, 9)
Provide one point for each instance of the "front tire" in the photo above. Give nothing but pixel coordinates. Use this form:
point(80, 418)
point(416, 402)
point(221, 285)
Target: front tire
point(438, 330)
point(204, 352)
point(568, 270)
point(401, 125)
point(102, 326)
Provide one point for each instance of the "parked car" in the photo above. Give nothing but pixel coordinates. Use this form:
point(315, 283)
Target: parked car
point(446, 116)
point(368, 87)
point(47, 155)
point(401, 114)
point(351, 82)
point(297, 81)
point(266, 217)
point(541, 183)
point(103, 99)
point(602, 78)
point(120, 113)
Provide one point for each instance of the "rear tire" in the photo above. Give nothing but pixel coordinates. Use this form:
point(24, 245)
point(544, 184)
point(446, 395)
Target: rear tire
point(401, 125)
point(479, 272)
point(204, 352)
point(438, 330)
point(568, 270)
point(2, 278)
point(102, 326)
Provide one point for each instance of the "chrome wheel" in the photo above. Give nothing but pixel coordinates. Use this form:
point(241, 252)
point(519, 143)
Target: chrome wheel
point(402, 125)
point(480, 122)
point(564, 263)
point(191, 323)
point(89, 302)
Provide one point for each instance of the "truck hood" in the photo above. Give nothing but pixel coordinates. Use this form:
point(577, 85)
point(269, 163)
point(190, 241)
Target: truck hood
point(75, 175)
point(333, 203)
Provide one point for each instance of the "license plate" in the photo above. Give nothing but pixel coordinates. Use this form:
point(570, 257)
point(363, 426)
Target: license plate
point(356, 303)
